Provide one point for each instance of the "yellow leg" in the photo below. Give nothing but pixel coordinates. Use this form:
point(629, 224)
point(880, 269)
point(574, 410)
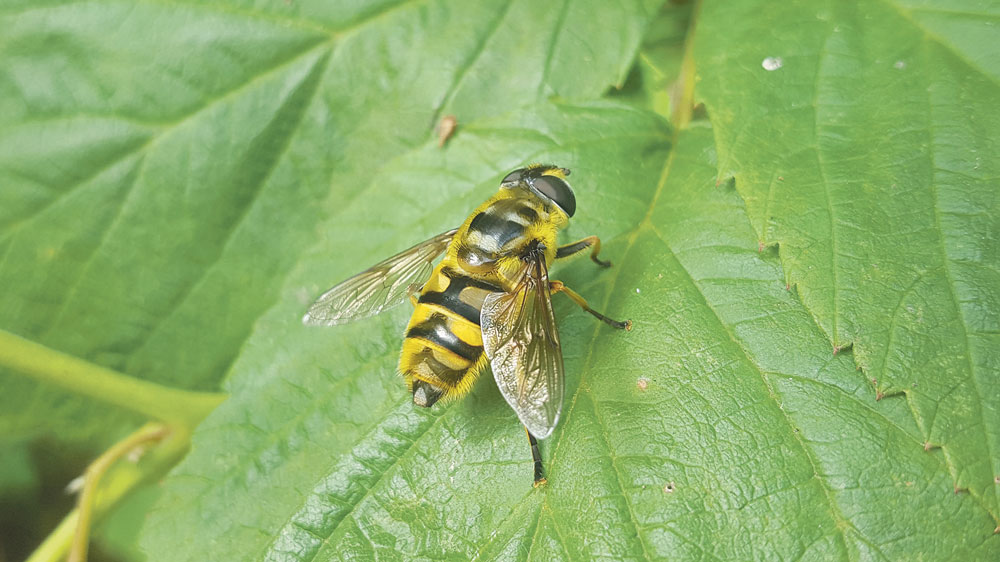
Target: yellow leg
point(580, 245)
point(559, 287)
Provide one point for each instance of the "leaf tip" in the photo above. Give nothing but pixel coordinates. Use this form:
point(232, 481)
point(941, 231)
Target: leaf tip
point(844, 347)
point(728, 179)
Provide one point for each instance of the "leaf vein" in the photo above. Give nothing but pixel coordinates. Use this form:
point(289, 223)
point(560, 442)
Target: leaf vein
point(257, 188)
point(618, 476)
point(558, 28)
point(72, 188)
point(395, 463)
point(963, 323)
point(824, 179)
point(471, 60)
point(840, 522)
point(946, 45)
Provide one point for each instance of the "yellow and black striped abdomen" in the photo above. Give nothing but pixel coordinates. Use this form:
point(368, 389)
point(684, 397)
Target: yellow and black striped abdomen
point(443, 350)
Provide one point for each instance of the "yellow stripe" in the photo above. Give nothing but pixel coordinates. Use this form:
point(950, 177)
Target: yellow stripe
point(413, 346)
point(466, 331)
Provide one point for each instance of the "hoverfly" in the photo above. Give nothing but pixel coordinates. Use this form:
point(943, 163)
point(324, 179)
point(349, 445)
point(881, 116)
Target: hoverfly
point(487, 302)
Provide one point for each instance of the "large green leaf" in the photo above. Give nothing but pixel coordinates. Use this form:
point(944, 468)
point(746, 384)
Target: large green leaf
point(871, 157)
point(163, 164)
point(720, 427)
point(320, 415)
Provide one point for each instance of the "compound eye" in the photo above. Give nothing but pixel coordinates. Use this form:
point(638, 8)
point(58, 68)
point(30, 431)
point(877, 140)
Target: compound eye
point(514, 176)
point(558, 191)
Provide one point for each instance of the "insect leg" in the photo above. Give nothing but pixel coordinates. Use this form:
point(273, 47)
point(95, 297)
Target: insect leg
point(558, 287)
point(537, 457)
point(579, 246)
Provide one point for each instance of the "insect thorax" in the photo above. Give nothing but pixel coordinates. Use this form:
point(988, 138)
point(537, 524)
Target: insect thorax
point(504, 227)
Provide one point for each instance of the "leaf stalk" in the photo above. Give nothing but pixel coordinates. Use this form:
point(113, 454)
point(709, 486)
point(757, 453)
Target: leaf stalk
point(173, 406)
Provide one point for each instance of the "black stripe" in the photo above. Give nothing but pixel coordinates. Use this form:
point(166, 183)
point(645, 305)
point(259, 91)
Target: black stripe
point(503, 230)
point(435, 330)
point(453, 303)
point(449, 298)
point(519, 207)
point(460, 281)
point(527, 213)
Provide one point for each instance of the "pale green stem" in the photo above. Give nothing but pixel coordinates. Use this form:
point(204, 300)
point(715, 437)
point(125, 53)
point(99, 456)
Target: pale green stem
point(120, 479)
point(153, 431)
point(685, 103)
point(181, 411)
point(87, 379)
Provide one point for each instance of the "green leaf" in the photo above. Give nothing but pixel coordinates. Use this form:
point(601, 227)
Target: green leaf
point(164, 164)
point(871, 158)
point(721, 414)
point(319, 417)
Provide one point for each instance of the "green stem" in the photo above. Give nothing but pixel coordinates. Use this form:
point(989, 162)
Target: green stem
point(87, 504)
point(174, 406)
point(685, 102)
point(120, 479)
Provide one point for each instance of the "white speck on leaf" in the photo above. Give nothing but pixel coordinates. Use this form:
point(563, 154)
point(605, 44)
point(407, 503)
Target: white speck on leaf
point(637, 290)
point(772, 63)
point(899, 65)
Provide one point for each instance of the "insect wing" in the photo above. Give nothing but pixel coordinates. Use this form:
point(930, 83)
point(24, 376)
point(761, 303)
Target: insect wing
point(379, 287)
point(522, 343)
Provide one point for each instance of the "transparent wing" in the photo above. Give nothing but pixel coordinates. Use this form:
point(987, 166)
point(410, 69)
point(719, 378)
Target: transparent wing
point(379, 287)
point(522, 343)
